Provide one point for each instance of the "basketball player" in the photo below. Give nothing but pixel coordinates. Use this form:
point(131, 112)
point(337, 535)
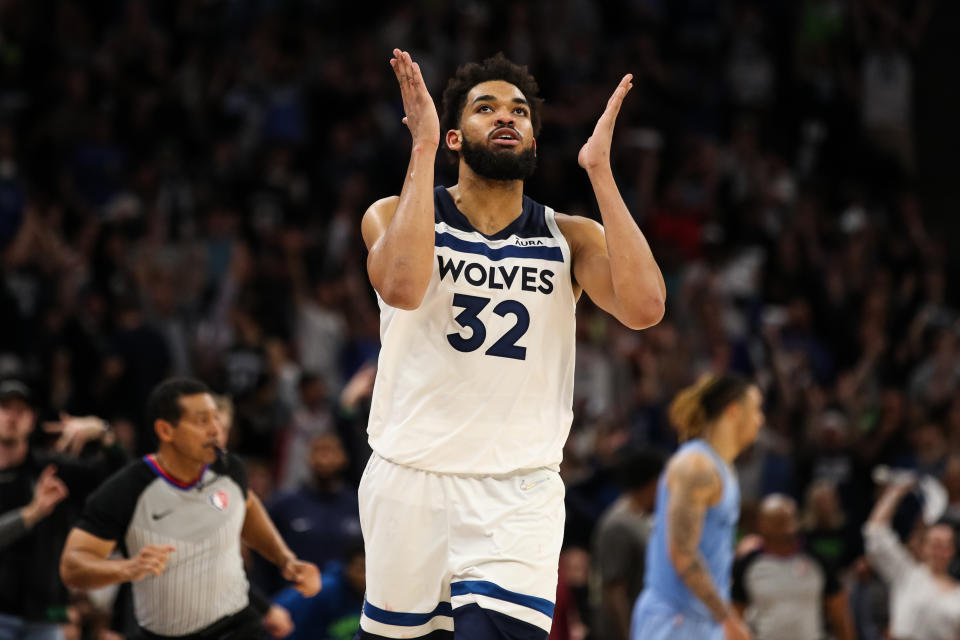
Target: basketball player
point(461, 504)
point(686, 593)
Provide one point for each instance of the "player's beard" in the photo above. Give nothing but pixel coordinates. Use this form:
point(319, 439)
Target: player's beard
point(499, 165)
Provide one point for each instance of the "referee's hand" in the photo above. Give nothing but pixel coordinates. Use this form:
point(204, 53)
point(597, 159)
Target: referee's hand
point(304, 575)
point(152, 559)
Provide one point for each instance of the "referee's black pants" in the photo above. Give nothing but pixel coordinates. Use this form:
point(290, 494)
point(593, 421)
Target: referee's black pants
point(243, 625)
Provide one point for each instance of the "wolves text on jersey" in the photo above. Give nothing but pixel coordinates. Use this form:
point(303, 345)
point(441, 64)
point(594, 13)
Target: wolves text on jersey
point(525, 278)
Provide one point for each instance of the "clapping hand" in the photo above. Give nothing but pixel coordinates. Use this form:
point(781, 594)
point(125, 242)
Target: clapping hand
point(595, 153)
point(420, 111)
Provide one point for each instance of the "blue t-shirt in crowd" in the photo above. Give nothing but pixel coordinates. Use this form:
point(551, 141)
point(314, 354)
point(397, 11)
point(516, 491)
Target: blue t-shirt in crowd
point(332, 614)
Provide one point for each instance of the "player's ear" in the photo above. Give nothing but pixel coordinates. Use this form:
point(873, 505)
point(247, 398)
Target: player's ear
point(164, 430)
point(534, 147)
point(454, 140)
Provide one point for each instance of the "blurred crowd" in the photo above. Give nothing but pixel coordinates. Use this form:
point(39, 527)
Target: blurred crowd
point(181, 186)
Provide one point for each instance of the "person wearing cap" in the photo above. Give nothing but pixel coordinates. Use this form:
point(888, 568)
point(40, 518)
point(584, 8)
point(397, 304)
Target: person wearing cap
point(924, 598)
point(41, 494)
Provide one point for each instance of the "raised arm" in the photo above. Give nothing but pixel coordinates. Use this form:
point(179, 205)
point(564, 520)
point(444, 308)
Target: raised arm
point(614, 263)
point(885, 553)
point(47, 494)
point(399, 232)
point(694, 487)
point(262, 536)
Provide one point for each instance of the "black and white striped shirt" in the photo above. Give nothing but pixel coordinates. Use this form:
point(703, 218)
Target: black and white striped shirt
point(204, 579)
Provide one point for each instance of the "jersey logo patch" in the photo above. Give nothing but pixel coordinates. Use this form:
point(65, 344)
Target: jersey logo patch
point(219, 500)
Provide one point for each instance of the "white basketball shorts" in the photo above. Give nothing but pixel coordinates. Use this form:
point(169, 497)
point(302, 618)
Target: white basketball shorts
point(459, 553)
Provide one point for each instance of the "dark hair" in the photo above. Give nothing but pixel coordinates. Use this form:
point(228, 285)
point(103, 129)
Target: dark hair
point(636, 469)
point(164, 400)
point(699, 405)
point(471, 74)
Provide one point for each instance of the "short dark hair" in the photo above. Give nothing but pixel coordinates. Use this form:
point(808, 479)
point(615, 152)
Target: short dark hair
point(471, 74)
point(636, 468)
point(164, 401)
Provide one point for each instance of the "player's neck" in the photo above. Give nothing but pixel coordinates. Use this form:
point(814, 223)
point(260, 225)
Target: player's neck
point(489, 205)
point(178, 467)
point(722, 438)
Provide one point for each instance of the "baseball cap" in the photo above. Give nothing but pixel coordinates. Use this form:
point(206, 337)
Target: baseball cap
point(14, 389)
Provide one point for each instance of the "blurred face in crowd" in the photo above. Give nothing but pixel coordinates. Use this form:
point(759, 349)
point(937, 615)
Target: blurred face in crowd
point(224, 420)
point(327, 457)
point(938, 548)
point(832, 431)
point(823, 504)
point(496, 132)
point(16, 420)
point(778, 520)
point(313, 393)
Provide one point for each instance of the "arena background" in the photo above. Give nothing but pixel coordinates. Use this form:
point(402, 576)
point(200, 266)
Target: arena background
point(181, 185)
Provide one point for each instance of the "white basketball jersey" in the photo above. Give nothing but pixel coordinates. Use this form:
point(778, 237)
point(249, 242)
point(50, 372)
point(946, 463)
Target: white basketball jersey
point(479, 378)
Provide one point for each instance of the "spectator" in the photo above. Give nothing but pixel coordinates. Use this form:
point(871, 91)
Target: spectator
point(40, 495)
point(313, 417)
point(334, 613)
point(924, 598)
point(620, 545)
point(320, 520)
point(870, 602)
point(781, 588)
point(826, 531)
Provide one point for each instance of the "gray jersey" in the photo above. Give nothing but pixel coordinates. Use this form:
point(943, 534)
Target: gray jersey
point(204, 580)
point(784, 594)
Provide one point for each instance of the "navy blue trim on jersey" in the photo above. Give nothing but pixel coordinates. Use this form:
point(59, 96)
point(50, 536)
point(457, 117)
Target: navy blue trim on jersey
point(437, 634)
point(491, 590)
point(473, 622)
point(400, 619)
point(531, 223)
point(154, 465)
point(554, 254)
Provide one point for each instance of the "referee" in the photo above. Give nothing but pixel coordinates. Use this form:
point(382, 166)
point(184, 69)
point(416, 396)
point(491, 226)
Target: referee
point(178, 517)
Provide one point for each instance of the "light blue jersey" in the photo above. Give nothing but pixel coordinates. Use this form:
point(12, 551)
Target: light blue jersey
point(667, 608)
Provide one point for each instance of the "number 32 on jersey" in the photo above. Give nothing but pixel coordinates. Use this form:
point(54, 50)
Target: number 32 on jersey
point(506, 346)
